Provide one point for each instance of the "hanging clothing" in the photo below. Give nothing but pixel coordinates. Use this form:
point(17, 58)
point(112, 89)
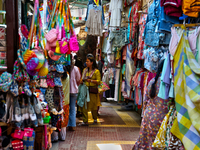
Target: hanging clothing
point(141, 45)
point(186, 80)
point(94, 23)
point(172, 7)
point(130, 70)
point(118, 38)
point(92, 5)
point(133, 18)
point(192, 38)
point(116, 7)
point(117, 81)
point(155, 111)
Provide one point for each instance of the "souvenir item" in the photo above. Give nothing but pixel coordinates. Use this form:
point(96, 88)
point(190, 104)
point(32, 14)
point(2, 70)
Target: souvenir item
point(53, 56)
point(59, 68)
point(64, 47)
point(32, 114)
point(18, 134)
point(5, 81)
point(43, 83)
point(17, 145)
point(17, 113)
point(26, 89)
point(73, 44)
point(58, 82)
point(37, 110)
point(57, 50)
point(44, 70)
point(51, 35)
point(28, 142)
point(14, 88)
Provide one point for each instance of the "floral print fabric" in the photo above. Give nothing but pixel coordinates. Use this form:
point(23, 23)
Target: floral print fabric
point(161, 136)
point(155, 111)
point(142, 24)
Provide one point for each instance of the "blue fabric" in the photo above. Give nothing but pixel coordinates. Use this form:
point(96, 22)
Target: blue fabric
point(118, 38)
point(166, 22)
point(128, 31)
point(158, 26)
point(28, 142)
point(72, 110)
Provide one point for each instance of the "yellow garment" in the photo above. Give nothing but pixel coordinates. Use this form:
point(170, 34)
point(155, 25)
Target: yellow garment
point(159, 141)
point(66, 90)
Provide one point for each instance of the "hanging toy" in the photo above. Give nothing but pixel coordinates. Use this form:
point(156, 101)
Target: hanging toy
point(44, 70)
point(40, 57)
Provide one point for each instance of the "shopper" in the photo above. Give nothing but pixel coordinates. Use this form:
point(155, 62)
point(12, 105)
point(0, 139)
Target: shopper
point(91, 77)
point(75, 78)
point(156, 109)
point(79, 64)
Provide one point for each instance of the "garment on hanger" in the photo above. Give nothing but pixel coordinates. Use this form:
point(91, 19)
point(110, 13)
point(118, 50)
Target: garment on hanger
point(92, 5)
point(94, 23)
point(142, 23)
point(116, 7)
point(118, 37)
point(192, 38)
point(133, 19)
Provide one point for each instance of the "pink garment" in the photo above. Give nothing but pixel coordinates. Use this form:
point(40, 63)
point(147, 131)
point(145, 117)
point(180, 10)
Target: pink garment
point(192, 38)
point(75, 78)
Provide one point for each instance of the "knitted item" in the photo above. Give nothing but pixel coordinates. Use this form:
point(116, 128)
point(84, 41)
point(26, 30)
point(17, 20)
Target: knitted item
point(49, 97)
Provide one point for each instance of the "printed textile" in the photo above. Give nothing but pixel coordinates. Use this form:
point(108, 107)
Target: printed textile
point(187, 92)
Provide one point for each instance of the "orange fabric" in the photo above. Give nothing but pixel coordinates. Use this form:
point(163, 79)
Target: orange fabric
point(191, 8)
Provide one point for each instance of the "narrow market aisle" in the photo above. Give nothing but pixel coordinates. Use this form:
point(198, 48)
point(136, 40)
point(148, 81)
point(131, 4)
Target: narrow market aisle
point(116, 130)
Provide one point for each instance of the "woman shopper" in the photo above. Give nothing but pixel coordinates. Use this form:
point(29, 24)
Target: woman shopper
point(91, 77)
point(79, 64)
point(75, 77)
point(156, 109)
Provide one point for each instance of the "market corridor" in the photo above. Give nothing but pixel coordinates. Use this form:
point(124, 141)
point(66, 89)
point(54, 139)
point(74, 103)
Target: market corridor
point(116, 130)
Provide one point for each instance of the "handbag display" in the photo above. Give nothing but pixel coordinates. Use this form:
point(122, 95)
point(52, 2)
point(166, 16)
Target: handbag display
point(64, 47)
point(73, 44)
point(51, 35)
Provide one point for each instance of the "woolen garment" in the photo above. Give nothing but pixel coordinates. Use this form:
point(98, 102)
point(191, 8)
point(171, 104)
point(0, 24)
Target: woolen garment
point(75, 78)
point(155, 111)
point(94, 23)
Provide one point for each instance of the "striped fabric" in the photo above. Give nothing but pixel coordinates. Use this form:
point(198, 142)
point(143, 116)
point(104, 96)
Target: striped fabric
point(187, 96)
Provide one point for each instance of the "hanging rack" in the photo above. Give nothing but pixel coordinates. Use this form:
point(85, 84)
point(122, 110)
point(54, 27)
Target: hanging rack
point(187, 25)
point(141, 12)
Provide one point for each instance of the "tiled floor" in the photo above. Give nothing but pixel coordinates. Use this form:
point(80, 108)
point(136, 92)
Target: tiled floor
point(116, 130)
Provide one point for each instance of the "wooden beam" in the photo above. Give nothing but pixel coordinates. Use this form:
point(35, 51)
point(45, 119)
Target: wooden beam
point(12, 38)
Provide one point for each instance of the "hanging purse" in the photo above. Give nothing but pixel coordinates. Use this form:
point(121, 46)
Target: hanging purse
point(64, 47)
point(73, 44)
point(51, 35)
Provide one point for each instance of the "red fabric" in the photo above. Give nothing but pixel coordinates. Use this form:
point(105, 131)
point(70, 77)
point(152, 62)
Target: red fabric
point(17, 145)
point(172, 7)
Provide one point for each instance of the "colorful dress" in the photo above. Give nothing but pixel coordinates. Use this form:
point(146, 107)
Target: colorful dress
point(155, 111)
